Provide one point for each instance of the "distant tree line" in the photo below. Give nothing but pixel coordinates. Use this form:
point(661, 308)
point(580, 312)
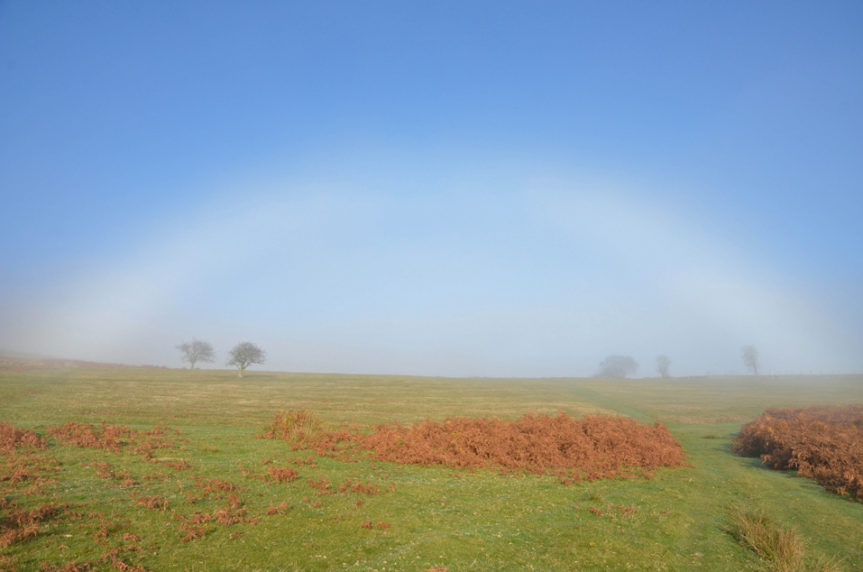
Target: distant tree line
point(241, 356)
point(622, 366)
point(245, 354)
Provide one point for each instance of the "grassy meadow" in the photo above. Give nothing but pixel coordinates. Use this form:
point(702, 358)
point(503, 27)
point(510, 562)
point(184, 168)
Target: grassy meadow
point(119, 509)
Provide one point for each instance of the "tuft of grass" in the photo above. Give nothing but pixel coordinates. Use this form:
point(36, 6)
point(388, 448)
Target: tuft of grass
point(822, 563)
point(294, 426)
point(782, 548)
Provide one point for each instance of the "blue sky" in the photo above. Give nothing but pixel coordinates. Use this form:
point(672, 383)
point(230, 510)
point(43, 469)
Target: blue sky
point(438, 188)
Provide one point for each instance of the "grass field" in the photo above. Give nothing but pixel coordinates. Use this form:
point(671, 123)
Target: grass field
point(404, 517)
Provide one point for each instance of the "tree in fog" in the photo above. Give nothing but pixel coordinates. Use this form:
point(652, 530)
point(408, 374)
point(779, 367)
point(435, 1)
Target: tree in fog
point(617, 366)
point(662, 365)
point(196, 351)
point(245, 354)
point(750, 358)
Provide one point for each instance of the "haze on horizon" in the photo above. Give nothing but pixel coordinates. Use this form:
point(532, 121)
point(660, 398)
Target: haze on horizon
point(461, 189)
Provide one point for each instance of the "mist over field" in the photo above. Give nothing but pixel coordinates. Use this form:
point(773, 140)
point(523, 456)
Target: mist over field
point(390, 191)
point(524, 282)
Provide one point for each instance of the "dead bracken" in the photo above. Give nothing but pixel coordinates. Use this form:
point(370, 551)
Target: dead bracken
point(13, 438)
point(575, 449)
point(825, 443)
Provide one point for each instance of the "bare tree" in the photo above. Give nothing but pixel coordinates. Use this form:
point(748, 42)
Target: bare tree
point(617, 366)
point(750, 358)
point(662, 365)
point(196, 351)
point(245, 354)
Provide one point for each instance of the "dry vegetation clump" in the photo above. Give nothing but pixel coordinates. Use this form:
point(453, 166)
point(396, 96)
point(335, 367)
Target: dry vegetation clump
point(13, 438)
point(112, 437)
point(106, 471)
point(27, 468)
point(233, 512)
point(216, 486)
point(298, 426)
point(22, 461)
point(66, 567)
point(109, 437)
point(155, 502)
point(17, 524)
point(825, 443)
point(281, 508)
point(350, 486)
point(194, 527)
point(615, 512)
point(273, 474)
point(199, 524)
point(282, 474)
point(117, 563)
point(781, 547)
point(322, 485)
point(104, 527)
point(589, 448)
point(176, 464)
point(212, 488)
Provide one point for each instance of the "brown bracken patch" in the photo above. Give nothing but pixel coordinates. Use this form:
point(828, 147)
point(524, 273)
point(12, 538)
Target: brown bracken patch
point(282, 474)
point(20, 524)
point(590, 448)
point(13, 438)
point(825, 443)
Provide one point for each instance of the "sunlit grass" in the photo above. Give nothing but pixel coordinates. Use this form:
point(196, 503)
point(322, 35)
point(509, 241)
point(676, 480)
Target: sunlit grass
point(461, 520)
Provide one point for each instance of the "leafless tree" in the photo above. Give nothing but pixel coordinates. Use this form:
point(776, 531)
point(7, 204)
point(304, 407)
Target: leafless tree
point(662, 365)
point(617, 366)
point(196, 351)
point(750, 358)
point(245, 354)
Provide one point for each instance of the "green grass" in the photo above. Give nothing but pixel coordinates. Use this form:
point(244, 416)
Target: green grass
point(463, 520)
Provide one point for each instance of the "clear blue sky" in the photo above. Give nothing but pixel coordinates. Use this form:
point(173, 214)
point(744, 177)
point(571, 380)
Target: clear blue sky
point(443, 188)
